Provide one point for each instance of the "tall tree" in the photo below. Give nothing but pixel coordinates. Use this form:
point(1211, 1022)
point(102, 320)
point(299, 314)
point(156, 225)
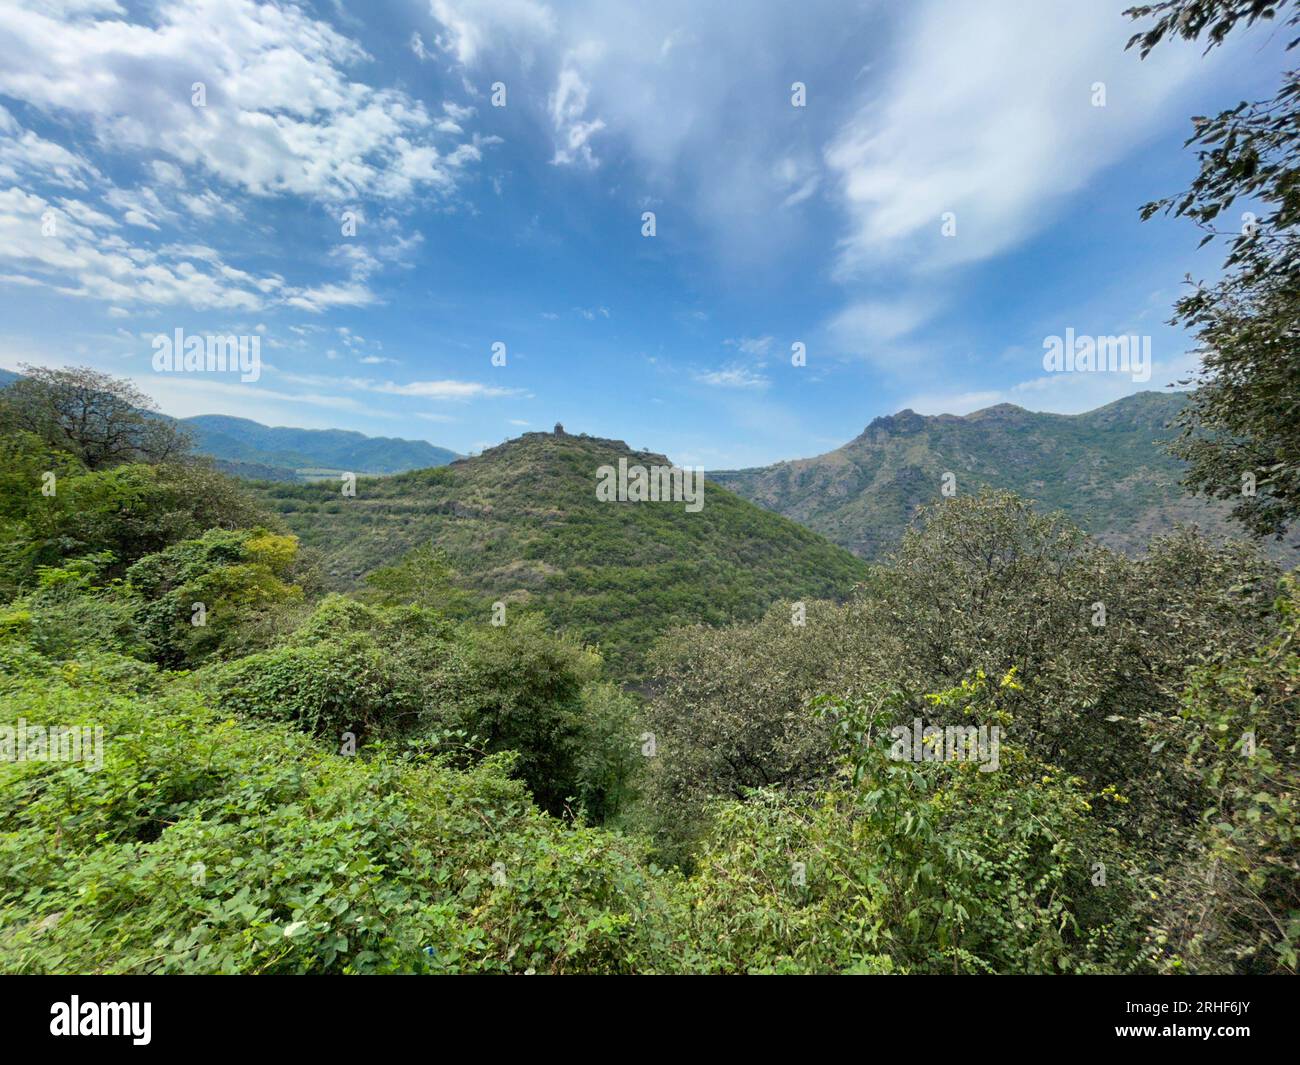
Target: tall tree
point(101, 420)
point(1241, 432)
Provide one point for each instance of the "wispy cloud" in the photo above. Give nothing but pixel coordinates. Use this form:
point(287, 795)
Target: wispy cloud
point(733, 377)
point(446, 389)
point(989, 113)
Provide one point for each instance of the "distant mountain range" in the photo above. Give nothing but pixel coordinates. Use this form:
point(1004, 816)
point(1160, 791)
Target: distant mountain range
point(1105, 469)
point(249, 449)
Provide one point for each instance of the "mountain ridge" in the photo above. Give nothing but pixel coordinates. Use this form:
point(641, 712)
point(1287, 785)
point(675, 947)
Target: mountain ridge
point(1105, 468)
point(244, 442)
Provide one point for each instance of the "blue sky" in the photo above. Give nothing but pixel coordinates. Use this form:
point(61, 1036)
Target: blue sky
point(522, 224)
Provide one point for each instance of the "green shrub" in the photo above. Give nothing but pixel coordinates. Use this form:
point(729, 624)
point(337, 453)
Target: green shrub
point(126, 511)
point(1231, 902)
point(330, 689)
point(461, 690)
point(922, 867)
point(226, 592)
point(206, 844)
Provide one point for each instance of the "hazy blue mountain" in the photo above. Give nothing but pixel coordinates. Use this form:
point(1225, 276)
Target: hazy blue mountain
point(249, 449)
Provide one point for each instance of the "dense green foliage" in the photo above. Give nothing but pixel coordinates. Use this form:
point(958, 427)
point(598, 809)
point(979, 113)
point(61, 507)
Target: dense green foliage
point(1235, 898)
point(211, 844)
point(389, 781)
point(53, 508)
point(1098, 640)
point(930, 867)
point(409, 674)
point(223, 593)
point(367, 792)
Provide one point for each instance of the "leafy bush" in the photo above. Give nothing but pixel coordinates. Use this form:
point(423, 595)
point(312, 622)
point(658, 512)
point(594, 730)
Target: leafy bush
point(350, 687)
point(206, 844)
point(225, 592)
point(462, 690)
point(125, 511)
point(1232, 902)
point(1014, 869)
point(1098, 642)
point(730, 713)
point(70, 611)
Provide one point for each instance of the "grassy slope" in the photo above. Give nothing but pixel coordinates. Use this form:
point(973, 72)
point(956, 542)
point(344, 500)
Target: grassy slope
point(521, 523)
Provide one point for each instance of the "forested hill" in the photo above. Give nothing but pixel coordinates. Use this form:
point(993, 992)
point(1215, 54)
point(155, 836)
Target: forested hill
point(521, 524)
point(1104, 468)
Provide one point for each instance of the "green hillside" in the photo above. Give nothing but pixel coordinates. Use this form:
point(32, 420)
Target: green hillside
point(1105, 469)
point(521, 524)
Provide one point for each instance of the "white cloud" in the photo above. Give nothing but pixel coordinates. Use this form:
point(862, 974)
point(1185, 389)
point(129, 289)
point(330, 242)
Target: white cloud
point(138, 207)
point(166, 173)
point(984, 110)
point(472, 27)
point(319, 298)
point(759, 347)
point(23, 154)
point(84, 257)
point(697, 111)
point(568, 106)
point(733, 377)
point(801, 176)
point(865, 329)
point(207, 205)
point(281, 115)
